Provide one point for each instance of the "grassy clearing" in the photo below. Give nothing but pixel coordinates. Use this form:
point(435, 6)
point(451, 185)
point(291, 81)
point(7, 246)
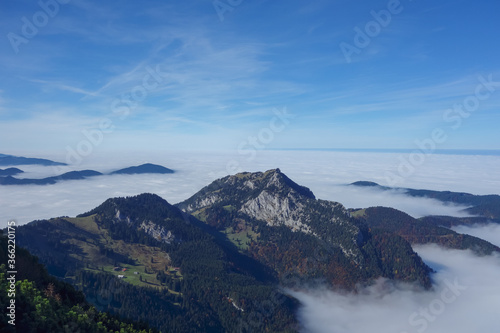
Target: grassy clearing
point(85, 223)
point(359, 213)
point(90, 240)
point(243, 175)
point(200, 214)
point(137, 275)
point(241, 235)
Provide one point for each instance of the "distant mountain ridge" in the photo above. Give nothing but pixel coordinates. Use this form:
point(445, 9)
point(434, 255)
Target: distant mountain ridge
point(19, 160)
point(486, 206)
point(144, 168)
point(10, 172)
point(421, 231)
point(78, 175)
point(72, 175)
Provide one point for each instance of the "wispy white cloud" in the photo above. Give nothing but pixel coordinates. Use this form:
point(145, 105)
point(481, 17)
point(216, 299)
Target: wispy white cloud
point(62, 86)
point(213, 70)
point(418, 94)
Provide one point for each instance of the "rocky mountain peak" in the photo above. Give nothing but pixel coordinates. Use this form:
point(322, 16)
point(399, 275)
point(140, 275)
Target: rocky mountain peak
point(276, 180)
point(273, 198)
point(239, 189)
point(268, 196)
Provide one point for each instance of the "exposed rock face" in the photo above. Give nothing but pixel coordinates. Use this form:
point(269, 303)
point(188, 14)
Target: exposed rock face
point(275, 199)
point(203, 202)
point(269, 196)
point(120, 217)
point(276, 211)
point(158, 232)
point(152, 229)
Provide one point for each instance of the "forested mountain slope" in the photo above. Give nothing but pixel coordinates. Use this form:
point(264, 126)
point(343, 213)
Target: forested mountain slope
point(142, 258)
point(283, 225)
point(421, 231)
point(45, 304)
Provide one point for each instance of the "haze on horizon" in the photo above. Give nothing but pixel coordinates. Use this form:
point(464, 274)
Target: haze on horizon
point(325, 173)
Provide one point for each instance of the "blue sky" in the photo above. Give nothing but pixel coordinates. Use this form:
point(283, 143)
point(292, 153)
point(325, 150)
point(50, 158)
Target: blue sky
point(181, 75)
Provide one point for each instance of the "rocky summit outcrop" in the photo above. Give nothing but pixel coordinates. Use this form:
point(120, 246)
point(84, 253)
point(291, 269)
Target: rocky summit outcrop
point(277, 210)
point(271, 197)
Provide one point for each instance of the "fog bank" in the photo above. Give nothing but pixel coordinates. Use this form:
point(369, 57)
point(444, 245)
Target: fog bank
point(465, 298)
point(325, 173)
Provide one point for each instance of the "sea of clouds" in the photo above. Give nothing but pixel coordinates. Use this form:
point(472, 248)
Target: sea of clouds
point(465, 296)
point(326, 173)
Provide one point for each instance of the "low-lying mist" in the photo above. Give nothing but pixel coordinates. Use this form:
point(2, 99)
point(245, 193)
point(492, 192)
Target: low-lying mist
point(465, 298)
point(489, 232)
